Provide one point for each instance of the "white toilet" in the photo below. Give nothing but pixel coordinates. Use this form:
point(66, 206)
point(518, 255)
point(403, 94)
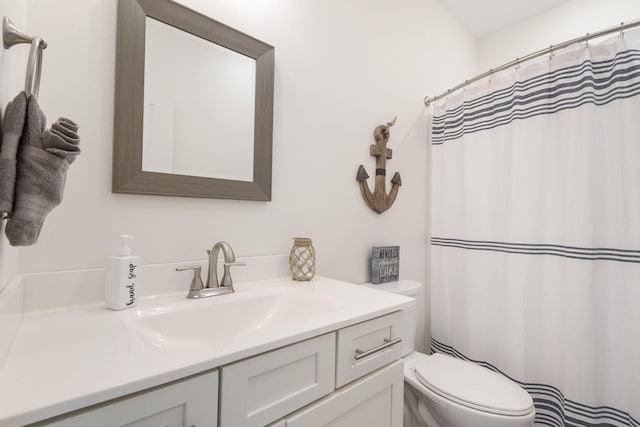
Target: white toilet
point(443, 391)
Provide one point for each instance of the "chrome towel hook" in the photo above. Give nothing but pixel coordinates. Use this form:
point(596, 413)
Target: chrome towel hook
point(11, 36)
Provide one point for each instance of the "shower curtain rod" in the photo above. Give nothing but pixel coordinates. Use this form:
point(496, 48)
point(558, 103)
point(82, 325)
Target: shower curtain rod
point(547, 51)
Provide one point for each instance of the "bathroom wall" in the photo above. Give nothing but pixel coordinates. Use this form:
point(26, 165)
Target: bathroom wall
point(342, 68)
point(565, 22)
point(12, 74)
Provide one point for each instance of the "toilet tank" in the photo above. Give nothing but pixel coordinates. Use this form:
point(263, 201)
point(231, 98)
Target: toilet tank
point(411, 289)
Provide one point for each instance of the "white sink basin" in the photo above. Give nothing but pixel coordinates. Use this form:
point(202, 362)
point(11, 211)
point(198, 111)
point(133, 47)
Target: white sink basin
point(222, 320)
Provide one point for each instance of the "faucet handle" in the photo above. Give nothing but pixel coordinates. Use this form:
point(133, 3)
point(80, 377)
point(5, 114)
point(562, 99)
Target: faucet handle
point(196, 282)
point(226, 277)
point(235, 264)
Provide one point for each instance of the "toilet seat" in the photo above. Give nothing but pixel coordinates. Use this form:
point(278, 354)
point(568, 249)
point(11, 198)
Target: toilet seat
point(472, 386)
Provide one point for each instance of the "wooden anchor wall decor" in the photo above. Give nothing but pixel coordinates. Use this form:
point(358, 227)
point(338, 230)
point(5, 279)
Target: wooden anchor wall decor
point(379, 200)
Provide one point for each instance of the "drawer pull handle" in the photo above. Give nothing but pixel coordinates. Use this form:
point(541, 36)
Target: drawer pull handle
point(387, 343)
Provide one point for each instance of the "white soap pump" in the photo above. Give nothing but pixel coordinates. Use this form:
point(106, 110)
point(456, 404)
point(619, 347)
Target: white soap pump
point(121, 277)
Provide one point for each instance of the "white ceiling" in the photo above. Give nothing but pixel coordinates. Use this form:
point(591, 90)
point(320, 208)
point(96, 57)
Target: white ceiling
point(482, 17)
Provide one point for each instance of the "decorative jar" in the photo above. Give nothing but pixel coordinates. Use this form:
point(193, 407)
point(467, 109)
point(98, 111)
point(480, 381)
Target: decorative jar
point(302, 259)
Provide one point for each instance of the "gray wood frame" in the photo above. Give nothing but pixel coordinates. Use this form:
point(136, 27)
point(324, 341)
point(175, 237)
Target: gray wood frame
point(128, 176)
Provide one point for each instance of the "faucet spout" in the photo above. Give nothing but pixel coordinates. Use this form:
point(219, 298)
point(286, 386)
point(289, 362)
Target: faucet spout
point(229, 261)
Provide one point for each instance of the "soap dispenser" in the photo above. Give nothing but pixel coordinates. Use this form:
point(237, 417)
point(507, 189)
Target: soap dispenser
point(121, 278)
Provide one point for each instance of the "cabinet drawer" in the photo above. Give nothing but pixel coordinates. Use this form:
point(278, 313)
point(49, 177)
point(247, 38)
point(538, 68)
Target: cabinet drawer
point(264, 388)
point(367, 346)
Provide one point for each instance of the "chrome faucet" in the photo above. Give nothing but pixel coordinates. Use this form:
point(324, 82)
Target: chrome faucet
point(213, 286)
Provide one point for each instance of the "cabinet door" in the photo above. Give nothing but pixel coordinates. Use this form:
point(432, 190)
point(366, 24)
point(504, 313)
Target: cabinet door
point(373, 401)
point(262, 389)
point(188, 403)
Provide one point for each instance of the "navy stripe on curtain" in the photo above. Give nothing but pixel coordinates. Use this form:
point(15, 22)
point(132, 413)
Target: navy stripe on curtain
point(552, 408)
point(592, 254)
point(591, 82)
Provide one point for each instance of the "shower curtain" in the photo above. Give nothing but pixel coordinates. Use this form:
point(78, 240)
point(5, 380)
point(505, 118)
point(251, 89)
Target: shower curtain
point(535, 248)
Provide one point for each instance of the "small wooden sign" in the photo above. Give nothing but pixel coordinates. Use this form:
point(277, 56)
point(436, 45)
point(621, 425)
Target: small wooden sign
point(385, 264)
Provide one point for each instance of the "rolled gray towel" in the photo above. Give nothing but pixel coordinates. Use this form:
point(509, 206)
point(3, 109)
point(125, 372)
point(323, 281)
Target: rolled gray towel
point(62, 139)
point(12, 126)
point(43, 161)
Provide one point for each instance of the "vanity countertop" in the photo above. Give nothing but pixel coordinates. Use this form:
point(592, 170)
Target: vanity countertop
point(66, 358)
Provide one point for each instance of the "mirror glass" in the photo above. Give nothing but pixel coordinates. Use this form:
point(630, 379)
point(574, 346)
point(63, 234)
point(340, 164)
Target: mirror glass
point(198, 106)
point(193, 105)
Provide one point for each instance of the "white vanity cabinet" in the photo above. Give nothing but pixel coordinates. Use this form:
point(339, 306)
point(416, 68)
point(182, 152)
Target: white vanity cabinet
point(192, 402)
point(350, 377)
point(276, 352)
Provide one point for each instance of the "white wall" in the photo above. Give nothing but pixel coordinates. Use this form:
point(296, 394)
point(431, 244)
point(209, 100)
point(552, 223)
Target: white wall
point(12, 75)
point(342, 68)
point(570, 20)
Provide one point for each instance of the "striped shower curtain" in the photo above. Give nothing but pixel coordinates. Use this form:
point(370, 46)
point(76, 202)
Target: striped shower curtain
point(536, 231)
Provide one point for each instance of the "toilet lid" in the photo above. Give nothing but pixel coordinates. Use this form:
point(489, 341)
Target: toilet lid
point(472, 385)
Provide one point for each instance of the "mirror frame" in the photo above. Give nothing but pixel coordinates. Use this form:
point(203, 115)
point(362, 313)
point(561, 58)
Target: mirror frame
point(128, 176)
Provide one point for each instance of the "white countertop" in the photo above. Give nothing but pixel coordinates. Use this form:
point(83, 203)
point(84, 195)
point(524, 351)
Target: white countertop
point(66, 358)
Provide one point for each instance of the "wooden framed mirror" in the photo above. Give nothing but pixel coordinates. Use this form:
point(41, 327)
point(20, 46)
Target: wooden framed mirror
point(181, 141)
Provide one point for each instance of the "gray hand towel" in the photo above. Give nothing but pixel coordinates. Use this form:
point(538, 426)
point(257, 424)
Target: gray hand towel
point(13, 124)
point(43, 161)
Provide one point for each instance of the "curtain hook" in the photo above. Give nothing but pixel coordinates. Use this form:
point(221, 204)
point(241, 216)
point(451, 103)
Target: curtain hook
point(622, 30)
point(518, 67)
point(466, 83)
point(550, 52)
point(587, 40)
point(490, 75)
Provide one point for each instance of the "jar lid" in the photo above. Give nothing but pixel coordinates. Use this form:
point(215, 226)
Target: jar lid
point(305, 241)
